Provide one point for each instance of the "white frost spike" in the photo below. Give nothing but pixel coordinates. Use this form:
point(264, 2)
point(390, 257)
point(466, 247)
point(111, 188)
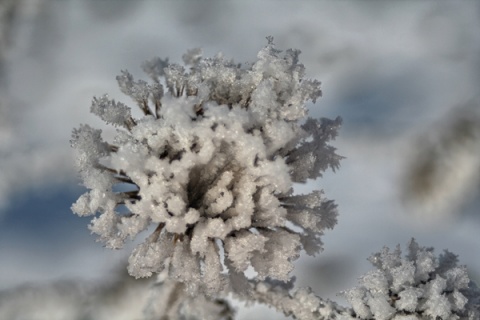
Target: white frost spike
point(151, 256)
point(89, 147)
point(241, 248)
point(210, 165)
point(137, 90)
point(280, 249)
point(212, 273)
point(112, 112)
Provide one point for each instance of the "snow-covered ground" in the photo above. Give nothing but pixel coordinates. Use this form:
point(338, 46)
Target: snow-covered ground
point(391, 70)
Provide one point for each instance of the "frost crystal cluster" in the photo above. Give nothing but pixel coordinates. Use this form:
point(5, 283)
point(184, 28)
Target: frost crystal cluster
point(209, 169)
point(417, 287)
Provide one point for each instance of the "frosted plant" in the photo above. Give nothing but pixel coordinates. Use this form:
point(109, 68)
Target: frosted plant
point(209, 168)
point(418, 286)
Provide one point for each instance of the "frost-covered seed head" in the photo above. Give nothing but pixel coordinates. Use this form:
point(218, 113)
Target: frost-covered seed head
point(419, 286)
point(210, 168)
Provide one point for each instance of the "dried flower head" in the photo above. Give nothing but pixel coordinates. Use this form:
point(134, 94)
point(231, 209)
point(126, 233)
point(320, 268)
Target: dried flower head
point(211, 166)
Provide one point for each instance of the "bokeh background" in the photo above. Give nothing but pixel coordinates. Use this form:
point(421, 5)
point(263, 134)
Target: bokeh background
point(403, 75)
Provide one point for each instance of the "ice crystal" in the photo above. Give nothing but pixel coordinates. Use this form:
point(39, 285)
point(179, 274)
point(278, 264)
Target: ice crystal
point(211, 166)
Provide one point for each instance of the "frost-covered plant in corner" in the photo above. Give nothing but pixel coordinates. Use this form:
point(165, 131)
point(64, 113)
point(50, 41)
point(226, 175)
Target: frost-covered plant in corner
point(209, 169)
point(419, 286)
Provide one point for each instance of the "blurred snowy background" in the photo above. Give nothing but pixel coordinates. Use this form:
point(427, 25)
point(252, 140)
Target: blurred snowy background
point(403, 75)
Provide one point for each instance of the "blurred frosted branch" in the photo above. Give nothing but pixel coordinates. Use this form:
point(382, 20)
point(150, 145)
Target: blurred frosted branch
point(444, 172)
point(120, 298)
point(300, 303)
